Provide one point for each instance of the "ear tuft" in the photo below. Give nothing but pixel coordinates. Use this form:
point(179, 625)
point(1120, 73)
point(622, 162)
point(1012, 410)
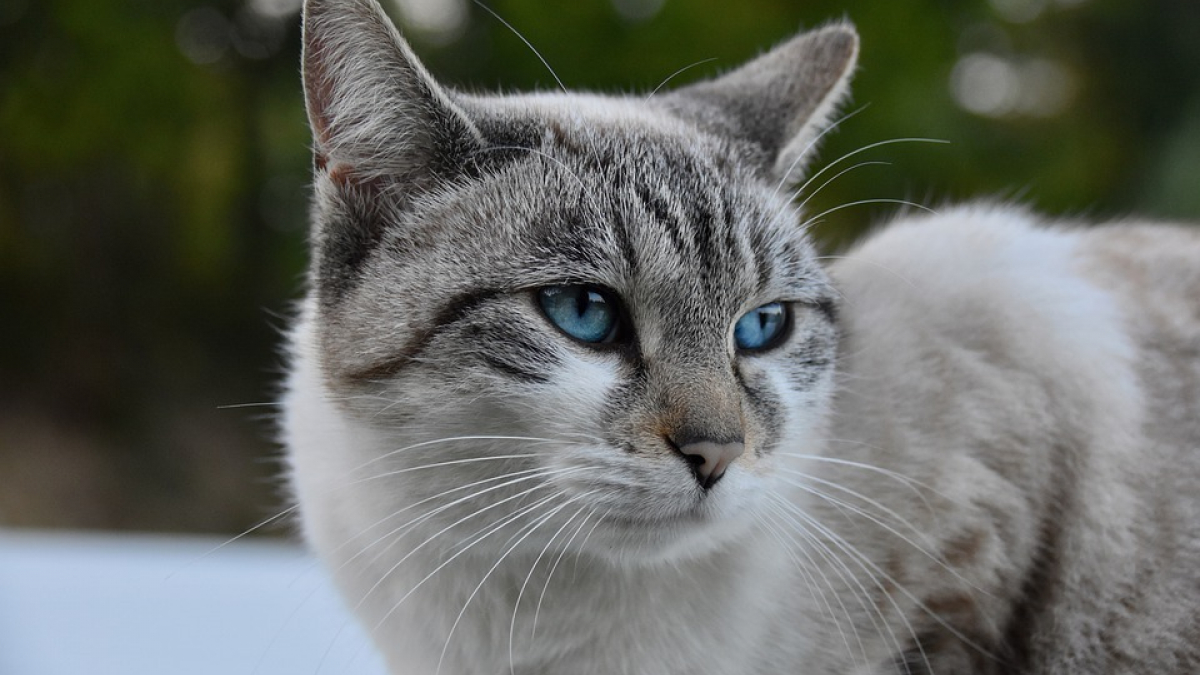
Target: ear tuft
point(780, 102)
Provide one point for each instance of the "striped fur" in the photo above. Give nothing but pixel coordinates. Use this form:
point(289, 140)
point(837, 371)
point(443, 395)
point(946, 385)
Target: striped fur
point(920, 453)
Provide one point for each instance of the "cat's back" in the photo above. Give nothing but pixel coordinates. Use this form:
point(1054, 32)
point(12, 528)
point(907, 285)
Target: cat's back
point(1062, 363)
point(1153, 274)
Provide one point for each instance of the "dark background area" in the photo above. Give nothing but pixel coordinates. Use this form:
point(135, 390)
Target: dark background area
point(153, 189)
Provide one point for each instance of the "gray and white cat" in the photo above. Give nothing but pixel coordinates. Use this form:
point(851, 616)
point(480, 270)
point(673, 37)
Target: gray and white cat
point(573, 393)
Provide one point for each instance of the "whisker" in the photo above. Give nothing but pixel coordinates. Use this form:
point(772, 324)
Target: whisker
point(537, 610)
point(525, 475)
point(775, 529)
point(836, 176)
point(452, 439)
point(227, 542)
point(469, 516)
point(465, 546)
point(911, 483)
point(858, 558)
point(533, 527)
point(479, 534)
point(870, 146)
point(450, 462)
point(527, 43)
point(512, 625)
point(938, 560)
point(264, 404)
point(873, 612)
point(864, 562)
point(783, 180)
point(579, 552)
point(845, 505)
point(678, 72)
point(439, 533)
point(864, 202)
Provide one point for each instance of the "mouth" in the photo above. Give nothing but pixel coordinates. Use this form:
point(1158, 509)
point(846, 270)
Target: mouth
point(647, 537)
point(664, 511)
point(644, 520)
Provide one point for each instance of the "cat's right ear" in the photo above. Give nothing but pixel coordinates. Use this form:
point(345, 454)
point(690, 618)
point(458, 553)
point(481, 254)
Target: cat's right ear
point(376, 114)
point(780, 103)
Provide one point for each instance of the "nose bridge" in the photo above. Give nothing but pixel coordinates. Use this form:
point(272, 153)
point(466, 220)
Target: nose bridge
point(699, 400)
point(700, 411)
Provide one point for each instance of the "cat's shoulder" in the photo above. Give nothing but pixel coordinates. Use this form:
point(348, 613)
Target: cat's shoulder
point(976, 260)
point(985, 245)
point(957, 248)
point(986, 288)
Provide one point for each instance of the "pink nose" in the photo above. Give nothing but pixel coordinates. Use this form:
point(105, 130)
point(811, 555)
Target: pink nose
point(709, 460)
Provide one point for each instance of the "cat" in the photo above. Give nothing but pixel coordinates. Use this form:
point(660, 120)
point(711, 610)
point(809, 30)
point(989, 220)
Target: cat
point(573, 392)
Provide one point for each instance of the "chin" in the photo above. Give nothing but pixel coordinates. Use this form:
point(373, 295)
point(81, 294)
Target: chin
point(721, 520)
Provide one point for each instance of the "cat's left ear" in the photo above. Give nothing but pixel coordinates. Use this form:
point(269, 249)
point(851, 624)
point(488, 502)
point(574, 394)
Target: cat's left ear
point(780, 102)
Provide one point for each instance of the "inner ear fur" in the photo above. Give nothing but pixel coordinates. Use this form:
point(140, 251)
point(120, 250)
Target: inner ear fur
point(375, 111)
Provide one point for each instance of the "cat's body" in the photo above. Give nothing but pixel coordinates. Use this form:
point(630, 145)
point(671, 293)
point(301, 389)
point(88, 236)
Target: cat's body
point(973, 446)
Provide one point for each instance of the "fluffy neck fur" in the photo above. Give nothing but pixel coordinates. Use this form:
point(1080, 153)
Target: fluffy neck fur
point(953, 465)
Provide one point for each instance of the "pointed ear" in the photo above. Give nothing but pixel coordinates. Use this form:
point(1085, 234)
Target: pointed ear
point(374, 110)
point(781, 101)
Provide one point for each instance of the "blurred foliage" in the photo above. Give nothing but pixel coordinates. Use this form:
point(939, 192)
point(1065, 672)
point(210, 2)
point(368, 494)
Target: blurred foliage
point(154, 159)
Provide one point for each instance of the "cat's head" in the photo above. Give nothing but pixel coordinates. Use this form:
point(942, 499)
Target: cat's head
point(606, 306)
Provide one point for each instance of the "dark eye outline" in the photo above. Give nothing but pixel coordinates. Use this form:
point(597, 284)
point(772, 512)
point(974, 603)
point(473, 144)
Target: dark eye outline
point(615, 336)
point(780, 336)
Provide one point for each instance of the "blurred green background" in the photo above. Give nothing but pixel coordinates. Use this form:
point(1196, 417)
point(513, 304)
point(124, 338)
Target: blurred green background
point(153, 189)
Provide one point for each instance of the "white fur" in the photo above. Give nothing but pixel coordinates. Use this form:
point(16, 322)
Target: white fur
point(601, 615)
point(979, 278)
point(975, 485)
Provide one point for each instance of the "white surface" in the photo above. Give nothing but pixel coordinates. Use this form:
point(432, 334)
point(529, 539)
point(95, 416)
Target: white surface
point(106, 604)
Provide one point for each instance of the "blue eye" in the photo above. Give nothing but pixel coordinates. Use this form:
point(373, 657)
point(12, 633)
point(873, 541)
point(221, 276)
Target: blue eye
point(762, 327)
point(586, 313)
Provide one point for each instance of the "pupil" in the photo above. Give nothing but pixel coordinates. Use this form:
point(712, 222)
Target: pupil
point(582, 300)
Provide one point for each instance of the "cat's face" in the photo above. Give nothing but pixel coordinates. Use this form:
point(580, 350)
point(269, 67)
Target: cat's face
point(562, 306)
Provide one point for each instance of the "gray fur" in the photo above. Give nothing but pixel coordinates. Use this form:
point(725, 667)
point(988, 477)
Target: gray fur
point(976, 451)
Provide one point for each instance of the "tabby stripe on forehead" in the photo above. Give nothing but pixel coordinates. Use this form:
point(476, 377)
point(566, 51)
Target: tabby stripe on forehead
point(715, 237)
point(657, 206)
point(759, 253)
point(719, 205)
point(451, 313)
point(703, 235)
point(734, 245)
point(624, 242)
